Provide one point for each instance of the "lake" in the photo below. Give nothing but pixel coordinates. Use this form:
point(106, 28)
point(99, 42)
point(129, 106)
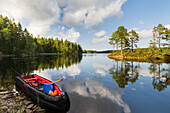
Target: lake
point(97, 84)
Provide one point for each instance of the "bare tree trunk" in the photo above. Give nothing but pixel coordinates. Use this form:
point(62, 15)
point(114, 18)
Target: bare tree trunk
point(121, 66)
point(117, 46)
point(159, 41)
point(121, 48)
point(117, 68)
point(132, 45)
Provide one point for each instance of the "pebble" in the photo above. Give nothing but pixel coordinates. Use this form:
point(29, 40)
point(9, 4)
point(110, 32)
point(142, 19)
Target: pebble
point(22, 98)
point(5, 92)
point(4, 97)
point(18, 111)
point(27, 102)
point(4, 107)
point(28, 111)
point(30, 106)
point(40, 110)
point(35, 106)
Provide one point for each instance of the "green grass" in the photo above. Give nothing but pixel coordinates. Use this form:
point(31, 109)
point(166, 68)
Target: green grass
point(145, 53)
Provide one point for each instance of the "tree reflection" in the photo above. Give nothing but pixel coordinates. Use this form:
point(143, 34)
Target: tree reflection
point(27, 65)
point(161, 77)
point(124, 73)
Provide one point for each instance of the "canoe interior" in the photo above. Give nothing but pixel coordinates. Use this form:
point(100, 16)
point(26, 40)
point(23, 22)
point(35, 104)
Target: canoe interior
point(38, 80)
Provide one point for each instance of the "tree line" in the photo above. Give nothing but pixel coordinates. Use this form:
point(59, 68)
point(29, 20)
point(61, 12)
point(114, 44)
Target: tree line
point(16, 41)
point(26, 66)
point(123, 39)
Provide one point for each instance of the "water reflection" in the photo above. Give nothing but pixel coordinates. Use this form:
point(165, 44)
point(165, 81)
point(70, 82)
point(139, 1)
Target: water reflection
point(97, 84)
point(28, 65)
point(101, 68)
point(161, 76)
point(125, 72)
point(93, 97)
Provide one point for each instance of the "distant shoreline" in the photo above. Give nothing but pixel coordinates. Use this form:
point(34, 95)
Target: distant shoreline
point(38, 54)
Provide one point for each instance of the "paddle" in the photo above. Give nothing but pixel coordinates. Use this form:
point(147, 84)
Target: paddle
point(59, 80)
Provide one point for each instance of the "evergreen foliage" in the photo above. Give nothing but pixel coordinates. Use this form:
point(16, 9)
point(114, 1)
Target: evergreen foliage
point(120, 38)
point(134, 38)
point(160, 32)
point(16, 41)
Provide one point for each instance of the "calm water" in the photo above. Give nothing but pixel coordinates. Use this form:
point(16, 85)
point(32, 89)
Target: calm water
point(97, 84)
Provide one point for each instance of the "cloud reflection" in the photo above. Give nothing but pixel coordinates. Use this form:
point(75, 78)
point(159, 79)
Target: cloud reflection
point(101, 68)
point(95, 90)
point(73, 70)
point(102, 72)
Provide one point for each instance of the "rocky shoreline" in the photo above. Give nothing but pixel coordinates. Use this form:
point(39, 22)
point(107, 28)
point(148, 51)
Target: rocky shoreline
point(17, 102)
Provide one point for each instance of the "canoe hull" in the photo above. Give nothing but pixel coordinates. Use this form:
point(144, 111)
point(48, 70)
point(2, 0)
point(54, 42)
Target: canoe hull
point(61, 103)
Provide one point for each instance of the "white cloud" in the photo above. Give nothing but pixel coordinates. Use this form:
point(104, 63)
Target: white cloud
point(70, 35)
point(141, 22)
point(41, 14)
point(167, 26)
point(145, 33)
point(100, 34)
point(89, 12)
point(100, 40)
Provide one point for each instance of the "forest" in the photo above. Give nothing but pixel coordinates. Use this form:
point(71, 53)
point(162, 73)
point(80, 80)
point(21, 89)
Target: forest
point(16, 41)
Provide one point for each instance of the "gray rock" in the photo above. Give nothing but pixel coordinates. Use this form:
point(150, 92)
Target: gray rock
point(35, 106)
point(34, 109)
point(4, 107)
point(30, 106)
point(11, 104)
point(26, 102)
point(39, 110)
point(4, 97)
point(4, 92)
point(16, 105)
point(18, 111)
point(21, 110)
point(22, 98)
point(28, 111)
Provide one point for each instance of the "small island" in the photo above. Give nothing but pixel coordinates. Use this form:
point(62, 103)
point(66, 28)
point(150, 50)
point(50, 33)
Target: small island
point(128, 40)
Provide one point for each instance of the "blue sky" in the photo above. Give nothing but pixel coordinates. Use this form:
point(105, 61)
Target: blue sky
point(88, 22)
